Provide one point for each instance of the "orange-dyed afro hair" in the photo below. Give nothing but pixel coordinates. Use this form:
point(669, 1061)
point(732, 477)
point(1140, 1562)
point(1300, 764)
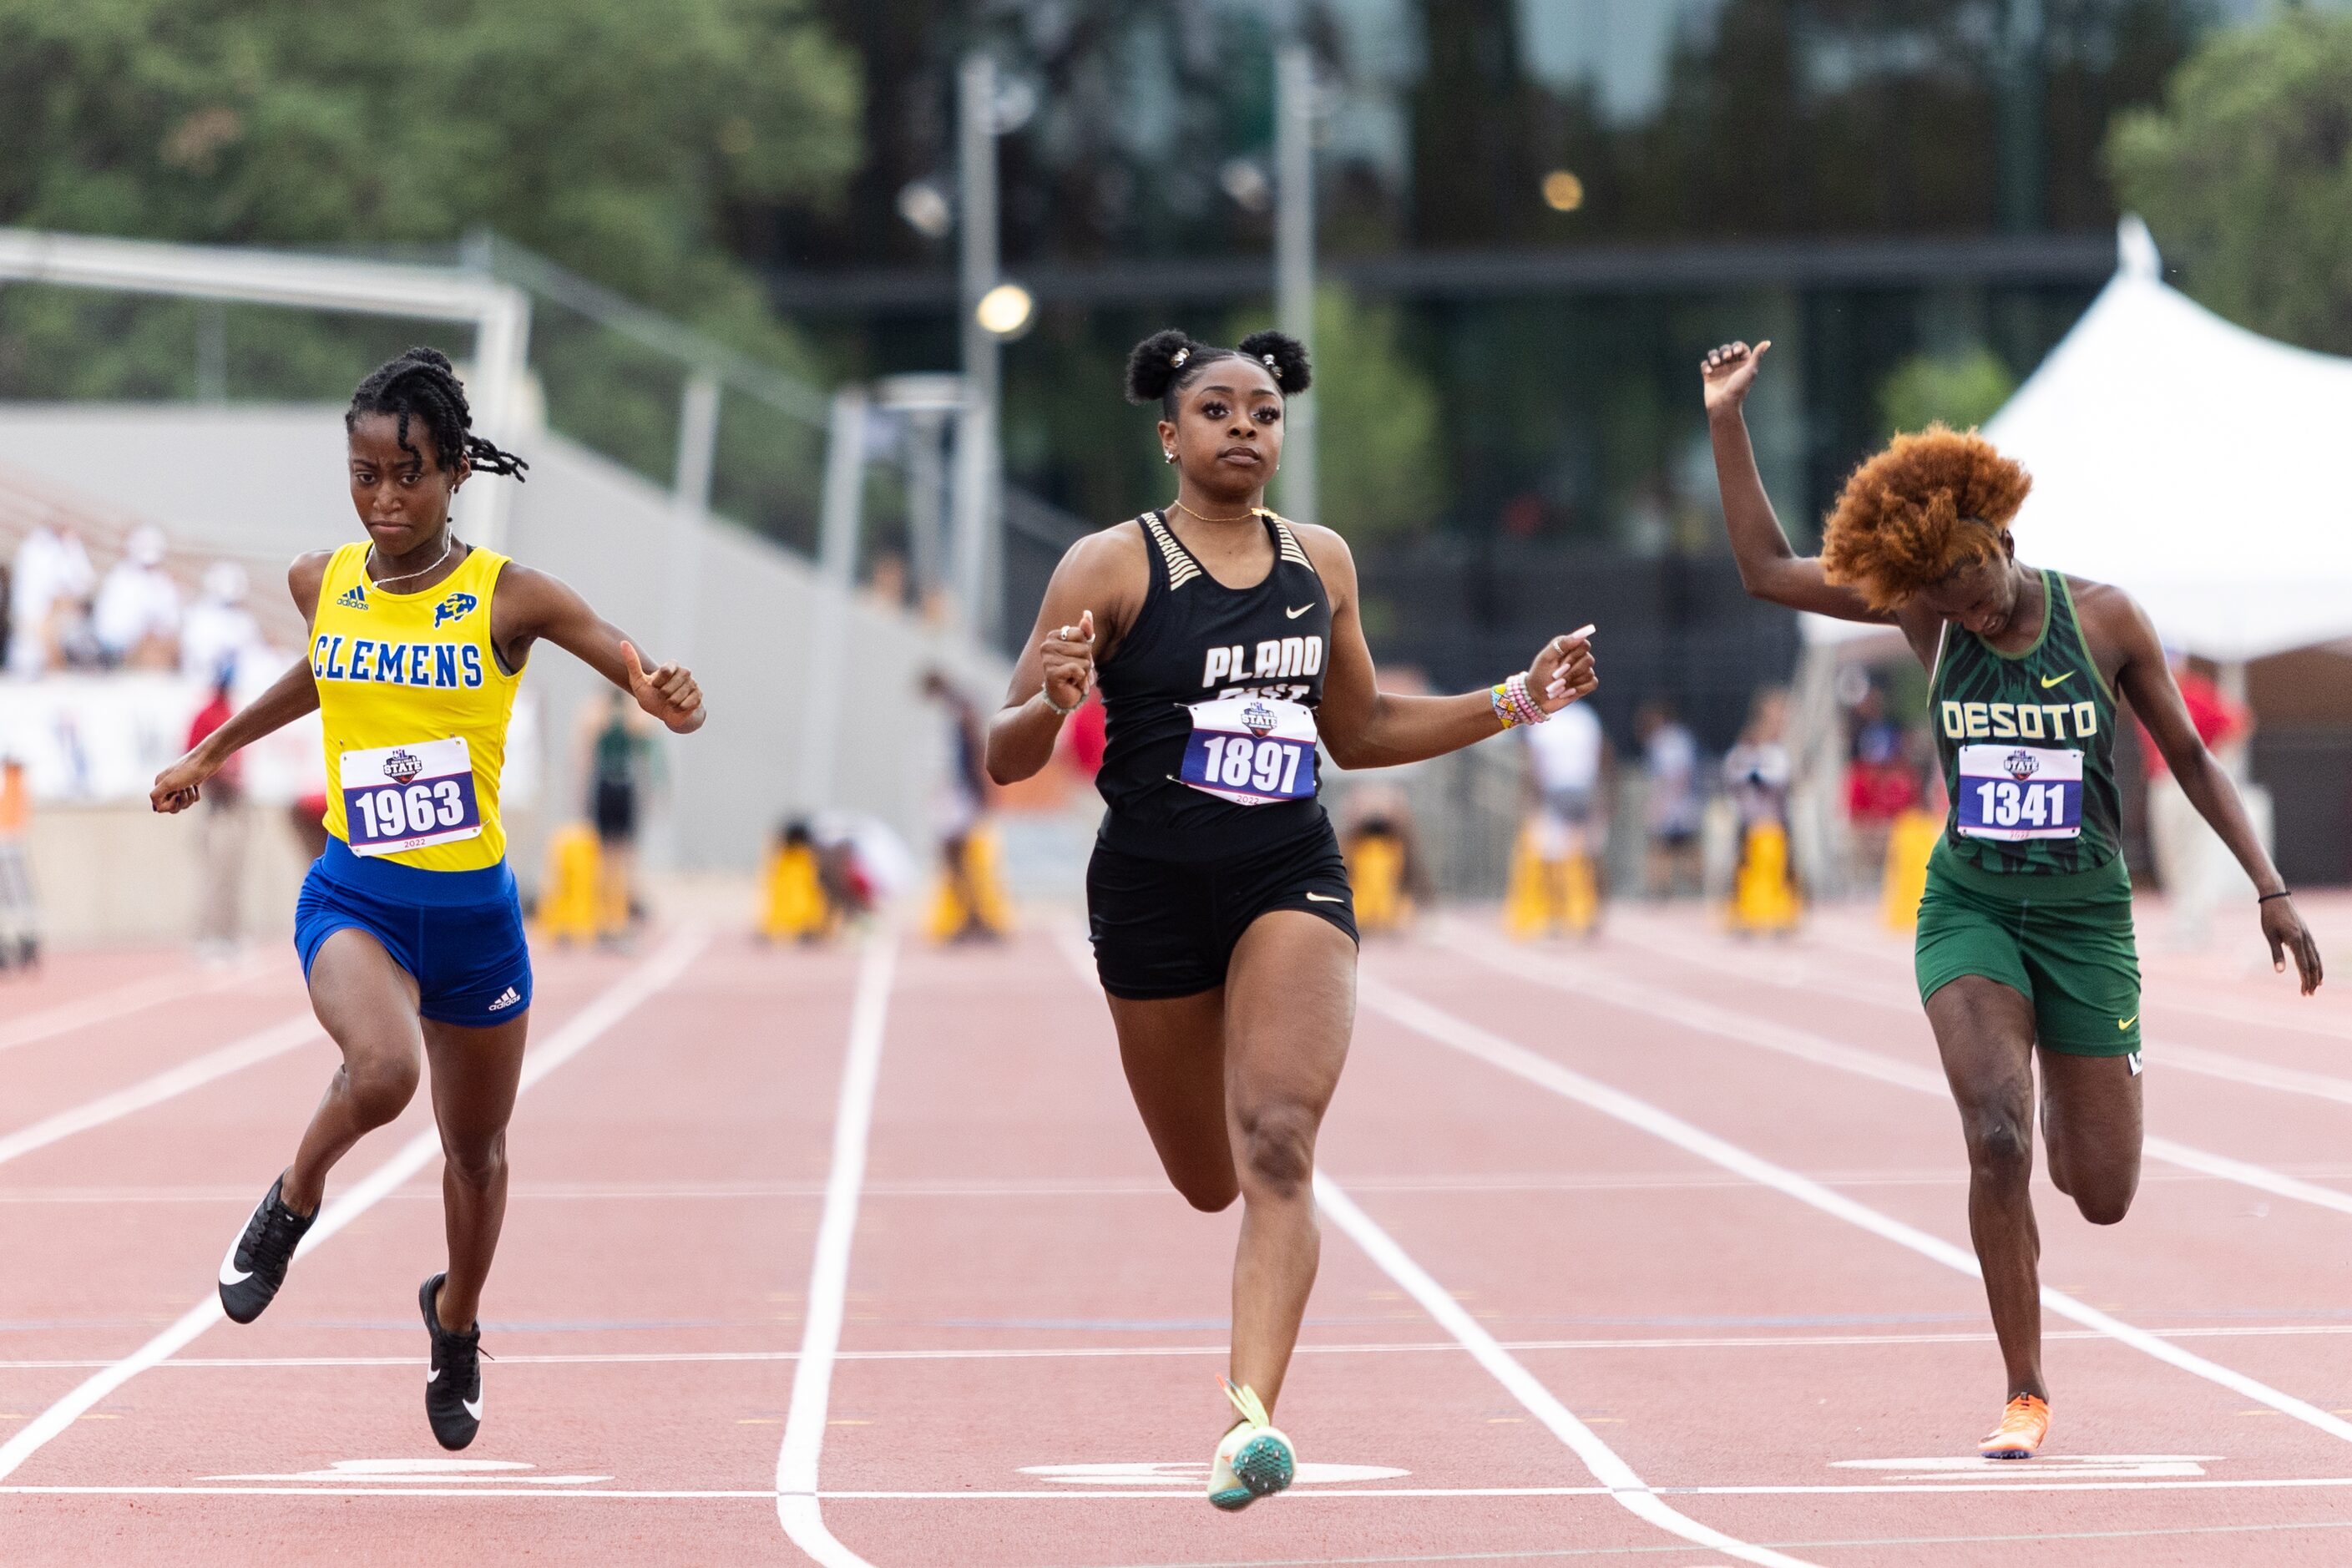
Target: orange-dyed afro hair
point(1925, 508)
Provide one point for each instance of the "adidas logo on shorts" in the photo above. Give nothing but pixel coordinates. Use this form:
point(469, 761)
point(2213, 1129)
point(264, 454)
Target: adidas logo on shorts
point(508, 1000)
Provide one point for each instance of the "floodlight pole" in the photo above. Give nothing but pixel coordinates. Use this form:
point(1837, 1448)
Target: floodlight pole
point(845, 487)
point(977, 463)
point(689, 508)
point(1294, 263)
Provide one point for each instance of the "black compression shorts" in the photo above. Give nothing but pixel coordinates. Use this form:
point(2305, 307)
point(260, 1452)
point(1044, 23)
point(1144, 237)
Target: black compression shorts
point(1167, 928)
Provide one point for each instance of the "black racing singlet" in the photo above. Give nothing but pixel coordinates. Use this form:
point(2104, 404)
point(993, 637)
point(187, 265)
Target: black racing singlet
point(1217, 686)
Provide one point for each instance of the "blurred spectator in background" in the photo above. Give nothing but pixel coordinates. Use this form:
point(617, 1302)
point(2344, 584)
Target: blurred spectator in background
point(51, 564)
point(221, 838)
point(69, 634)
point(1569, 769)
point(218, 630)
point(618, 762)
point(961, 812)
point(20, 932)
point(2192, 864)
point(1755, 772)
point(137, 615)
point(1755, 776)
point(886, 579)
point(1670, 802)
point(1386, 866)
point(1881, 784)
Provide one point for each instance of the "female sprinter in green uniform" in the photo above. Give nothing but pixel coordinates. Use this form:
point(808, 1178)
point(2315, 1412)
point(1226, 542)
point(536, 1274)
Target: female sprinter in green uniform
point(2025, 934)
point(1229, 643)
point(408, 927)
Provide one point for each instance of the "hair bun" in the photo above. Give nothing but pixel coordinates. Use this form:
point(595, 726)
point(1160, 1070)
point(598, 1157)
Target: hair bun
point(1284, 355)
point(424, 354)
point(1153, 364)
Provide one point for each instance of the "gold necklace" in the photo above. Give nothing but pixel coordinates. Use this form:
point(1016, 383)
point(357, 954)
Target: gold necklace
point(1204, 517)
point(448, 542)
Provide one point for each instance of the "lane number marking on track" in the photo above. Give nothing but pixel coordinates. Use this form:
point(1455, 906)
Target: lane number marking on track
point(2047, 1468)
point(435, 1470)
point(1195, 1473)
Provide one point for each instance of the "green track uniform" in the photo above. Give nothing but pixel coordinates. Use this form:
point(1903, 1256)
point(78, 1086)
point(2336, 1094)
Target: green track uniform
point(2027, 886)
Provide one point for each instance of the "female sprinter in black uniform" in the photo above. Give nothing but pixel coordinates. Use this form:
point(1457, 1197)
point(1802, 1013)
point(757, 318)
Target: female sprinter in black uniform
point(2025, 950)
point(408, 928)
point(1228, 643)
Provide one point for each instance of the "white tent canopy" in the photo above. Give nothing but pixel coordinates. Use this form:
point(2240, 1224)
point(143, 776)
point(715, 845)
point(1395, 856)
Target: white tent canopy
point(2205, 469)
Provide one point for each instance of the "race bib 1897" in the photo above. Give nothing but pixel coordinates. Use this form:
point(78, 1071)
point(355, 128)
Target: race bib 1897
point(2013, 793)
point(1252, 750)
point(409, 797)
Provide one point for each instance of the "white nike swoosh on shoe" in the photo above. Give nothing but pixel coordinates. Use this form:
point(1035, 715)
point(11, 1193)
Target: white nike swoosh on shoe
point(1302, 609)
point(230, 1274)
point(433, 1376)
point(473, 1408)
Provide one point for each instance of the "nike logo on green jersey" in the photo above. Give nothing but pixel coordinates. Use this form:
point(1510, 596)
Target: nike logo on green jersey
point(2050, 680)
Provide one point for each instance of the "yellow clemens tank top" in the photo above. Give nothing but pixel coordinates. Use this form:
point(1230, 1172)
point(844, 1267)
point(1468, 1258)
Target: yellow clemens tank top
point(415, 709)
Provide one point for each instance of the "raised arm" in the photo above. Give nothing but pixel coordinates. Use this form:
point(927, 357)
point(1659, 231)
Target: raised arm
point(1094, 597)
point(1364, 727)
point(531, 605)
point(2146, 679)
point(1768, 568)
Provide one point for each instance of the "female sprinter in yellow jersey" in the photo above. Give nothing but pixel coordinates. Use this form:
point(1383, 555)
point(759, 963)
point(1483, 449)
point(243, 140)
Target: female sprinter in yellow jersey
point(408, 926)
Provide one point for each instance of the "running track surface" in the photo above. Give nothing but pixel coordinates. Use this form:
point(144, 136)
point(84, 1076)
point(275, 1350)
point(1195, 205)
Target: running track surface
point(1649, 1251)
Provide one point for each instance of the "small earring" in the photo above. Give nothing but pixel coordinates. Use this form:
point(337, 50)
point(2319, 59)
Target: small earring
point(1170, 457)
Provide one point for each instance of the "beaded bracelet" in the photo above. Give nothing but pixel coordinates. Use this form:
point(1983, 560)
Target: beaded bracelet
point(1514, 705)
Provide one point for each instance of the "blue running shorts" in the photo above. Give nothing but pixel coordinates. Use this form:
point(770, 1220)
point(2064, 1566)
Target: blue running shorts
point(458, 933)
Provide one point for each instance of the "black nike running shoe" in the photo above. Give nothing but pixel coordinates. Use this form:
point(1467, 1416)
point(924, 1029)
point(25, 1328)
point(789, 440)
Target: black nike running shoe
point(452, 1389)
point(256, 1264)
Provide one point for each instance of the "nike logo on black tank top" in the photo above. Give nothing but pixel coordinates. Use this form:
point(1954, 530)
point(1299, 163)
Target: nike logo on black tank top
point(1209, 701)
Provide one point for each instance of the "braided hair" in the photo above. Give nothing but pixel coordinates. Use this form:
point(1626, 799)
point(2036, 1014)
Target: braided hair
point(422, 383)
point(1165, 364)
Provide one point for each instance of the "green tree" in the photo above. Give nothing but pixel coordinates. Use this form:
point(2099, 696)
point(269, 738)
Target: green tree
point(1383, 466)
point(621, 139)
point(1963, 390)
point(2245, 175)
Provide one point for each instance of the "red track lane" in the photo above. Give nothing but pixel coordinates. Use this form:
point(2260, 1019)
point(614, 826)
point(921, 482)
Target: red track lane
point(1024, 1290)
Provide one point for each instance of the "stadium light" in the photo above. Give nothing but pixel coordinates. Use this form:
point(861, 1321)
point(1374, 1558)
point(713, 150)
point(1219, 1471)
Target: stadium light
point(1562, 190)
point(1006, 310)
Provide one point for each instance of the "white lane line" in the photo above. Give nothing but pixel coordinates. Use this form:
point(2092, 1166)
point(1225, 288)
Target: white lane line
point(2311, 1019)
point(624, 996)
point(277, 1040)
point(1750, 1030)
point(1613, 1472)
point(1513, 1058)
point(1184, 1495)
point(797, 1508)
point(2162, 1051)
point(1594, 1181)
point(1115, 1352)
point(121, 1000)
point(1606, 1467)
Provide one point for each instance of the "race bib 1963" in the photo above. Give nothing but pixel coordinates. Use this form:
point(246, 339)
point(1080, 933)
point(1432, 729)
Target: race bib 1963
point(2013, 793)
point(409, 797)
point(1251, 750)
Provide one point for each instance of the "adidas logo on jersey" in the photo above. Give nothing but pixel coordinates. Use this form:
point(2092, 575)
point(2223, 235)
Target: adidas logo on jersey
point(355, 597)
point(508, 999)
